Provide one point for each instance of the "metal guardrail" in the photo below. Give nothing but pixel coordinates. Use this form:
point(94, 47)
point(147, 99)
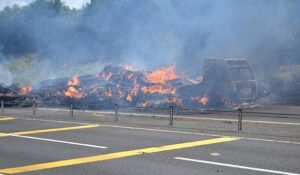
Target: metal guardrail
point(171, 111)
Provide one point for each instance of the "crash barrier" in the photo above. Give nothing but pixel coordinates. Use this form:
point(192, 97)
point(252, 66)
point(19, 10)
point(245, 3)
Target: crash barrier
point(171, 114)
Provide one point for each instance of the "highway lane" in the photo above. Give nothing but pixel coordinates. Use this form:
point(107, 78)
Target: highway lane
point(16, 151)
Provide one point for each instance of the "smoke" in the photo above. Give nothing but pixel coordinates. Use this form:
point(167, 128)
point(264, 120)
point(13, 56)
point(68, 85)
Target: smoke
point(147, 34)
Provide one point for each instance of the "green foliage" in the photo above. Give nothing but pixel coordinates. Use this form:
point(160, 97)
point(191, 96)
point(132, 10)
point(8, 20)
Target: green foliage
point(17, 24)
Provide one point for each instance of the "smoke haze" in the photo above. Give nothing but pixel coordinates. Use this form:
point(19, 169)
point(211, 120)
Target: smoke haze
point(46, 39)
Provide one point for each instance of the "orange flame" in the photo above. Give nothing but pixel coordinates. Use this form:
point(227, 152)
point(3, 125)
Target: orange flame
point(162, 75)
point(74, 81)
point(25, 90)
point(74, 93)
point(200, 100)
point(159, 78)
point(158, 88)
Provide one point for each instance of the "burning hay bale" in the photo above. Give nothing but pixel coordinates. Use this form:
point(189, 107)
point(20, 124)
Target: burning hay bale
point(15, 95)
point(121, 85)
point(127, 86)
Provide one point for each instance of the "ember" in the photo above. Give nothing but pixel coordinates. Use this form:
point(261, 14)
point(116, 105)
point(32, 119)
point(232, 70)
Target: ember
point(200, 100)
point(108, 93)
point(129, 98)
point(74, 81)
point(158, 88)
point(25, 90)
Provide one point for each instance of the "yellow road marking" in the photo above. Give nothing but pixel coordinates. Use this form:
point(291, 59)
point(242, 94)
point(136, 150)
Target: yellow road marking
point(110, 156)
point(48, 130)
point(6, 118)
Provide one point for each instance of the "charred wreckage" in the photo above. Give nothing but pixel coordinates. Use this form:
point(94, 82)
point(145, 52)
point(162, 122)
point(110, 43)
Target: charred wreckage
point(225, 82)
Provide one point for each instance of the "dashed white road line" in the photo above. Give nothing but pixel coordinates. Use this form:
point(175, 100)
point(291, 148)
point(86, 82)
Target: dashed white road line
point(215, 154)
point(56, 141)
point(236, 166)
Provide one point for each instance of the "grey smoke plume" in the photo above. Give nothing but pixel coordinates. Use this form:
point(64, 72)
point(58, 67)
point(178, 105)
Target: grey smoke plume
point(50, 40)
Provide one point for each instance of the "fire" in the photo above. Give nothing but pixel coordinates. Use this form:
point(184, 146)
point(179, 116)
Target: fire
point(158, 88)
point(74, 81)
point(135, 89)
point(74, 93)
point(129, 98)
point(25, 90)
point(200, 100)
point(159, 79)
point(162, 75)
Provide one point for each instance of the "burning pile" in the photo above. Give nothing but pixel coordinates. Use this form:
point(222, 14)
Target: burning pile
point(14, 90)
point(126, 86)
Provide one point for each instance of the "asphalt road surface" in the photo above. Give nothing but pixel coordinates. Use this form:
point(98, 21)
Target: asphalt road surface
point(41, 147)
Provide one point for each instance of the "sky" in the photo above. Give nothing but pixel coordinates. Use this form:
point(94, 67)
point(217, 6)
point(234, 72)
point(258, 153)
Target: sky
point(71, 3)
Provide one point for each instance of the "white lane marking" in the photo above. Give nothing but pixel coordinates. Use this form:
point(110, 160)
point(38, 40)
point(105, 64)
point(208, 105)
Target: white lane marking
point(180, 117)
point(56, 141)
point(166, 131)
point(215, 154)
point(236, 166)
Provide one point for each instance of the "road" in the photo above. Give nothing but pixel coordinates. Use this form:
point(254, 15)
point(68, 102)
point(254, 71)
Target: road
point(42, 147)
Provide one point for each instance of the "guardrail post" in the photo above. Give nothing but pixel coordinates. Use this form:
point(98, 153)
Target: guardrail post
point(71, 111)
point(34, 108)
point(116, 112)
point(2, 106)
point(171, 115)
point(240, 118)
